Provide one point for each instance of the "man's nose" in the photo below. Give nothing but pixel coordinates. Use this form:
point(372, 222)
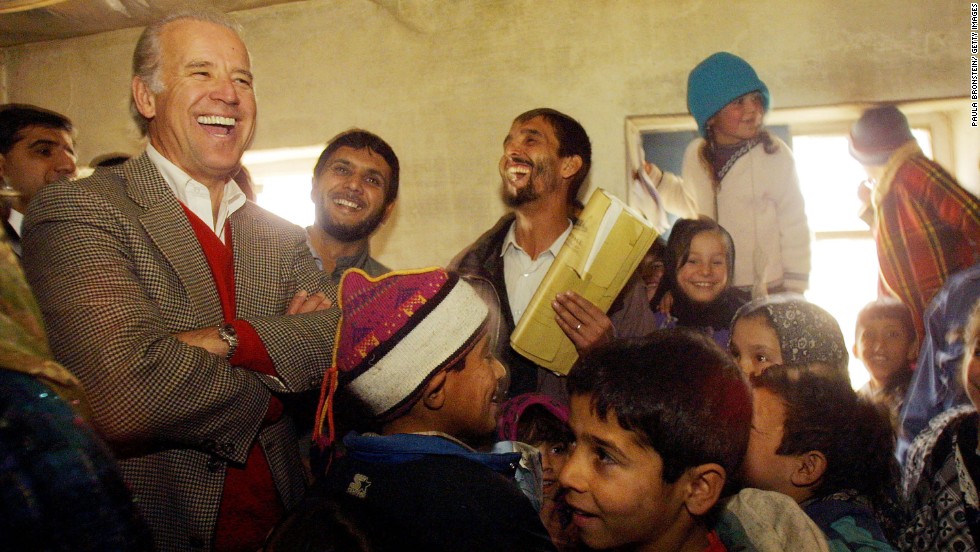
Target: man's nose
point(225, 91)
point(65, 165)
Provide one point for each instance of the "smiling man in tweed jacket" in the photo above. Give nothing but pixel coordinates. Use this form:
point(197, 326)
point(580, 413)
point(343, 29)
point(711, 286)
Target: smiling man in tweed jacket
point(184, 309)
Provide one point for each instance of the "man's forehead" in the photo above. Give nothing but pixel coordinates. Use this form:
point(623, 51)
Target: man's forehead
point(347, 154)
point(192, 42)
point(39, 133)
point(535, 125)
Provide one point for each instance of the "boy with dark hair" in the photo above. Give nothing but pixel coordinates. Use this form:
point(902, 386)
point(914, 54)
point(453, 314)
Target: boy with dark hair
point(884, 340)
point(660, 425)
point(816, 441)
point(414, 351)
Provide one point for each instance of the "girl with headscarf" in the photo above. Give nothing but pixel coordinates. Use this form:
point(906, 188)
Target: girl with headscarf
point(787, 329)
point(696, 289)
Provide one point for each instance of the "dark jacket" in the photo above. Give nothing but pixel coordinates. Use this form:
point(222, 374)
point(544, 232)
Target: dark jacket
point(426, 492)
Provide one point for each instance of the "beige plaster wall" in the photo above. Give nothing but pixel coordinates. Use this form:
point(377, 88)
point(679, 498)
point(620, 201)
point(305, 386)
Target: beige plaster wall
point(441, 80)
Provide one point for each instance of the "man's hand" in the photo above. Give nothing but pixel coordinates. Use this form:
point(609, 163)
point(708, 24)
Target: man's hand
point(303, 302)
point(584, 323)
point(205, 338)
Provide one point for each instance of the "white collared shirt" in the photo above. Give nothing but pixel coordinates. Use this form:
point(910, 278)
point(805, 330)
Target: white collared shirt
point(523, 275)
point(196, 196)
point(16, 221)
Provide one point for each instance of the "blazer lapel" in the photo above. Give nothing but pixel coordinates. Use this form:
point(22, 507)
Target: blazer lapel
point(166, 223)
point(256, 263)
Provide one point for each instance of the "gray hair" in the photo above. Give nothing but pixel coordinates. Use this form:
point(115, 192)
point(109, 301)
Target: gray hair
point(146, 57)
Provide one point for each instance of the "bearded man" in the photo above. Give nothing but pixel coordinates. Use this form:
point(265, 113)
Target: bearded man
point(355, 184)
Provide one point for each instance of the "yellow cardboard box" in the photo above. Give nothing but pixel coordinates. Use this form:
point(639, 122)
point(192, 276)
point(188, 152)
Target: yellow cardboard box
point(601, 252)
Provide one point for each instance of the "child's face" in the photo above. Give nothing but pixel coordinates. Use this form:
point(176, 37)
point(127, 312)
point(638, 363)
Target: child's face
point(651, 269)
point(615, 486)
point(971, 367)
point(553, 458)
point(472, 394)
point(738, 121)
point(705, 273)
point(762, 467)
point(754, 345)
point(885, 347)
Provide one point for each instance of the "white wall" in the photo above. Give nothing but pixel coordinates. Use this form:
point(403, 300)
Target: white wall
point(441, 80)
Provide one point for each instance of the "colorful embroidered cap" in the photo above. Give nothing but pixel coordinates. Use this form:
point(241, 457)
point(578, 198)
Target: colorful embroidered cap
point(397, 332)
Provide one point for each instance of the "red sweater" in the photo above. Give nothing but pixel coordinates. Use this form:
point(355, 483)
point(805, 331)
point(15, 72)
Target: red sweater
point(250, 504)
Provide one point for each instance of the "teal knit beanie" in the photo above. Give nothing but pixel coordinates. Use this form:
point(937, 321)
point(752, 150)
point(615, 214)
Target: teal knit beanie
point(717, 80)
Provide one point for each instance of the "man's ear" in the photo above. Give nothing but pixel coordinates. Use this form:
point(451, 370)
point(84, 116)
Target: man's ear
point(435, 392)
point(388, 209)
point(811, 467)
point(570, 165)
point(144, 99)
point(705, 484)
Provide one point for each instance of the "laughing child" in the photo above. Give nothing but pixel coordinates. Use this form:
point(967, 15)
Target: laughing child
point(885, 342)
point(660, 424)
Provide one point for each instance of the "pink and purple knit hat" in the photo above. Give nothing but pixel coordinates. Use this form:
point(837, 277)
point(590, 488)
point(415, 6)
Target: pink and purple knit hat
point(396, 332)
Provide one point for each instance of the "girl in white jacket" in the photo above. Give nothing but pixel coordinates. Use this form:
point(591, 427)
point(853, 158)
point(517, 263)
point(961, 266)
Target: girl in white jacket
point(742, 177)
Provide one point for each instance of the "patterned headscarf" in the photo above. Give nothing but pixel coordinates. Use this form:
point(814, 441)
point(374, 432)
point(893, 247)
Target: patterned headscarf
point(806, 332)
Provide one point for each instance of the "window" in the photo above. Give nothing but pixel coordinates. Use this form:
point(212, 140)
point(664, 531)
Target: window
point(282, 180)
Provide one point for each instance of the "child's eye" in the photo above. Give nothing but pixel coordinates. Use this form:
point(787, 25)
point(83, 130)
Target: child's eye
point(604, 457)
point(561, 448)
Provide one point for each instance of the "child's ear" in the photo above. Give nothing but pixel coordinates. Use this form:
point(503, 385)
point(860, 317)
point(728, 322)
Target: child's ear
point(435, 392)
point(811, 467)
point(705, 485)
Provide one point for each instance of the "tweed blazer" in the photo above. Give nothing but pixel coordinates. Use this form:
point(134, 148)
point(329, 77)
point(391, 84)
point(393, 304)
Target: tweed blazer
point(117, 270)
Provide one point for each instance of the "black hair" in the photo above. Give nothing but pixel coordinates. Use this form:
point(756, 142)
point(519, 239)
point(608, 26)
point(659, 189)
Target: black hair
point(824, 413)
point(572, 140)
point(538, 424)
point(16, 117)
point(678, 391)
point(890, 308)
point(359, 139)
point(320, 524)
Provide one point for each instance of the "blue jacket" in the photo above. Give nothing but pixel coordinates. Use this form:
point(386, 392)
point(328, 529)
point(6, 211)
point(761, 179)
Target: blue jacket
point(425, 492)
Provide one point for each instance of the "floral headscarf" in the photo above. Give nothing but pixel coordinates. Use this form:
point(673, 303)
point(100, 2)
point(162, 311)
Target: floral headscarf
point(806, 332)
